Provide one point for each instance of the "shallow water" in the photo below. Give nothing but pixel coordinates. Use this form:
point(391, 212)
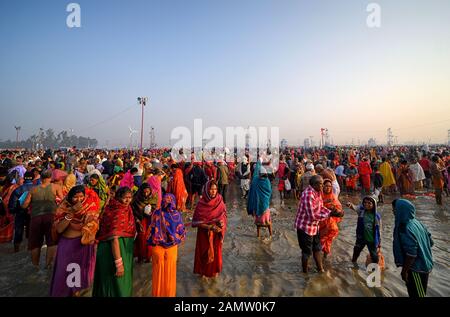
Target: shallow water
point(270, 267)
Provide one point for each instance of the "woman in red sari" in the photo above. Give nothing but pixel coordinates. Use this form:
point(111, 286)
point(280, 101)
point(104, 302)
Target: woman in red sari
point(210, 217)
point(365, 171)
point(6, 219)
point(177, 188)
point(328, 228)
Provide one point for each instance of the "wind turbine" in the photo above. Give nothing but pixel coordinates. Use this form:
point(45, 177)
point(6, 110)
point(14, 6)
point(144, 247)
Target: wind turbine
point(131, 136)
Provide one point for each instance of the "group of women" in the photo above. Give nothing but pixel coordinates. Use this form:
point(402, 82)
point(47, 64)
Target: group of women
point(97, 246)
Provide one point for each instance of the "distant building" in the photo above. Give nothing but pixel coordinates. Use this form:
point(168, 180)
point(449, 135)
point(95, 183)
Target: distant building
point(372, 142)
point(306, 143)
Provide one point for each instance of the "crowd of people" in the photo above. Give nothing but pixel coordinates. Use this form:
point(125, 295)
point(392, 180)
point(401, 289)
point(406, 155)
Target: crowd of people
point(107, 211)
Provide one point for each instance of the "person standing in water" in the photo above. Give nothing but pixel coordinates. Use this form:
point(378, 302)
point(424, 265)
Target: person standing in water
point(412, 248)
point(310, 212)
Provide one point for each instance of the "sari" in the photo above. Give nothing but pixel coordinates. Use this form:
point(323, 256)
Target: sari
point(69, 182)
point(259, 197)
point(176, 186)
point(388, 176)
point(141, 250)
point(117, 221)
point(352, 178)
point(365, 171)
point(127, 180)
point(165, 233)
point(155, 184)
point(101, 189)
point(404, 180)
point(328, 228)
point(208, 248)
point(80, 250)
point(7, 220)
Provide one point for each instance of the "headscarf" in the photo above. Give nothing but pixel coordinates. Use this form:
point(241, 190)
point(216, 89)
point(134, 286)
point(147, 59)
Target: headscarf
point(166, 227)
point(330, 200)
point(155, 184)
point(85, 213)
point(140, 201)
point(100, 187)
point(210, 210)
point(117, 221)
point(69, 182)
point(260, 192)
point(127, 180)
point(58, 175)
point(409, 231)
point(177, 187)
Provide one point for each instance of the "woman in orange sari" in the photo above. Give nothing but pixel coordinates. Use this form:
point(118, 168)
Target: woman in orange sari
point(176, 186)
point(328, 228)
point(404, 179)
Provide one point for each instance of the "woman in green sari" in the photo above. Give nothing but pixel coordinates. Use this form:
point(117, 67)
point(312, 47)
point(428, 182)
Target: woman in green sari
point(114, 267)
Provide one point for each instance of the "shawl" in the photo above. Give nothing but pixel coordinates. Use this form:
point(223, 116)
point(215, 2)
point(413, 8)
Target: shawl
point(101, 188)
point(260, 192)
point(331, 201)
point(139, 201)
point(176, 186)
point(117, 221)
point(69, 182)
point(417, 172)
point(166, 228)
point(155, 184)
point(127, 180)
point(388, 176)
point(58, 175)
point(210, 210)
point(85, 214)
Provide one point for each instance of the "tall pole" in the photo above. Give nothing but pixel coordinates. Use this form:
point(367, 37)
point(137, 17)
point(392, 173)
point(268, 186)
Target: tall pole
point(143, 102)
point(17, 134)
point(142, 125)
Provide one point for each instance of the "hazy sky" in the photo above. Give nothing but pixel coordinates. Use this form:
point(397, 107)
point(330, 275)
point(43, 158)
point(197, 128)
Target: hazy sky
point(299, 65)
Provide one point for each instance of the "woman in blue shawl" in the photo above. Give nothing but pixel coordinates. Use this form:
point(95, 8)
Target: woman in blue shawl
point(165, 233)
point(259, 198)
point(412, 248)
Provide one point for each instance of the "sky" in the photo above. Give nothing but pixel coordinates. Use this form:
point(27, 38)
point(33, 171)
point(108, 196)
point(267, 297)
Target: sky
point(296, 65)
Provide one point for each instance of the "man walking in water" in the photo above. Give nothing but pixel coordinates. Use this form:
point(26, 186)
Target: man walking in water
point(310, 211)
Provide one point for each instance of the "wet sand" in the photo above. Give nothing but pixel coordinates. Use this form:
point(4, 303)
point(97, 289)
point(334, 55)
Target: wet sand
point(270, 267)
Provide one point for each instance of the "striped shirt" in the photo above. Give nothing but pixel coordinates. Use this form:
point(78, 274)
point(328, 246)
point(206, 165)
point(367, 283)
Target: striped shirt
point(310, 212)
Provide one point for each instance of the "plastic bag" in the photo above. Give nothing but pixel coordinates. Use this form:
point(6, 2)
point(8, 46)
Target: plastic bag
point(287, 185)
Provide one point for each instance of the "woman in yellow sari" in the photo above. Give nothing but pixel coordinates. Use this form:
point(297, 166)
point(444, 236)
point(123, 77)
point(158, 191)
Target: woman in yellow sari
point(386, 172)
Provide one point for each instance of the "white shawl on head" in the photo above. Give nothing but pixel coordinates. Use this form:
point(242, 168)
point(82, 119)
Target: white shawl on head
point(417, 172)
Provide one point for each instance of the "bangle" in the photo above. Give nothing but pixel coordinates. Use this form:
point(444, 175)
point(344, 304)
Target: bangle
point(118, 260)
point(68, 218)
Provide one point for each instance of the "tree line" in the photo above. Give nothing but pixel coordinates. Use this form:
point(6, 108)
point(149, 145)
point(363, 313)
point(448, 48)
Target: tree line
point(46, 139)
